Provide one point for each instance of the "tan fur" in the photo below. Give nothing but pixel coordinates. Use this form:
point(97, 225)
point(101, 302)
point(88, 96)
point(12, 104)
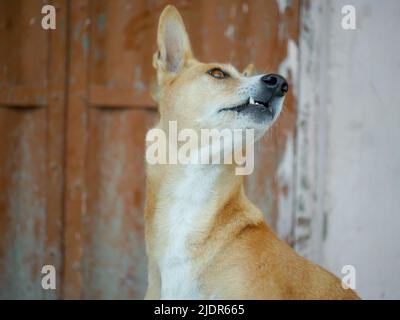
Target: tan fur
point(234, 254)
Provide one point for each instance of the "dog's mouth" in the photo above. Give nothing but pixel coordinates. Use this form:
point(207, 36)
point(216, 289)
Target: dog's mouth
point(252, 103)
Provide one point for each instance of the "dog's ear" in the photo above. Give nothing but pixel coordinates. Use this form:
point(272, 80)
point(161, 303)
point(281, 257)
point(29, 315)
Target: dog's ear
point(174, 49)
point(249, 70)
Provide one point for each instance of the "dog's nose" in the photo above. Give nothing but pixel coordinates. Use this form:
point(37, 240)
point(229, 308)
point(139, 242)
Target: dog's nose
point(276, 83)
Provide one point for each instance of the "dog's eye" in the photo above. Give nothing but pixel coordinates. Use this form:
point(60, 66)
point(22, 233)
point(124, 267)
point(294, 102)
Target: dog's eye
point(218, 73)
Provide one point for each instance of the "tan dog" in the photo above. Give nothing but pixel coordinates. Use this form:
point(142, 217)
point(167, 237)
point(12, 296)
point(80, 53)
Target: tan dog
point(204, 238)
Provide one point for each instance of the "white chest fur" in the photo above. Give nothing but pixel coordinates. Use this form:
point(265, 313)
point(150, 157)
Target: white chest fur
point(184, 205)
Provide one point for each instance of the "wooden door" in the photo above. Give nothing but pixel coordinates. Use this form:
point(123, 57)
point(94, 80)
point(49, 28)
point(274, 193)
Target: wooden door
point(74, 110)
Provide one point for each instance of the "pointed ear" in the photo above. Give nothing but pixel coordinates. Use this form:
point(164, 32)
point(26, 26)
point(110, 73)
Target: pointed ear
point(174, 49)
point(249, 70)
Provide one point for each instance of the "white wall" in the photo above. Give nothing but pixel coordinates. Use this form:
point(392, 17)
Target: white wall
point(360, 80)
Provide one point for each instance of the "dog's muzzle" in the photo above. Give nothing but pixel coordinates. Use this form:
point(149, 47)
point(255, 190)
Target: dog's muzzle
point(263, 105)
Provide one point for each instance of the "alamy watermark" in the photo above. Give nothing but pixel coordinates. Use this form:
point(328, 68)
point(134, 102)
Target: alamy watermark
point(349, 19)
point(349, 278)
point(49, 20)
point(49, 278)
point(212, 146)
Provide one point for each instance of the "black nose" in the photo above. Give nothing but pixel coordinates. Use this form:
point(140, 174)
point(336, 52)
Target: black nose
point(276, 83)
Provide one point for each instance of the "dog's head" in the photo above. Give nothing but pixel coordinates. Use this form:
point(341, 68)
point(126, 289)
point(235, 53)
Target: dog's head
point(210, 95)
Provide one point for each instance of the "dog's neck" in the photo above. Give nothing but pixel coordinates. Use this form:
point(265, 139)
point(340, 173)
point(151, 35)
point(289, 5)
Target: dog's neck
point(183, 205)
point(188, 197)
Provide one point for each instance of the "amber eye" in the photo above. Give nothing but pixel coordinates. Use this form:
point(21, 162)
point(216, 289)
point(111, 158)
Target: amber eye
point(217, 73)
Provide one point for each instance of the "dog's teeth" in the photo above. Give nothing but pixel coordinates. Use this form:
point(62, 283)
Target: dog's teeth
point(252, 100)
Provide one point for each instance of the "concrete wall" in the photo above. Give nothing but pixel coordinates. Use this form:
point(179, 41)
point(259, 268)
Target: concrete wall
point(356, 121)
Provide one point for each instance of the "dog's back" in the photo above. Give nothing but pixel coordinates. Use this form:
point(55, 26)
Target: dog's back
point(252, 263)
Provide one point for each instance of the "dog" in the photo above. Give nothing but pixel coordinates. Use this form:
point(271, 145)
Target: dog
point(204, 238)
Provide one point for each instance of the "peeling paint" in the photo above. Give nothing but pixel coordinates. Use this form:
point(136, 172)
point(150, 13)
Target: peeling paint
point(26, 210)
point(85, 44)
point(283, 4)
point(138, 84)
point(230, 32)
point(77, 31)
point(101, 22)
point(286, 185)
point(290, 65)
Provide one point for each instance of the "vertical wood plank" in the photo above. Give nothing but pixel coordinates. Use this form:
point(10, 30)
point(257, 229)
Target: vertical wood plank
point(76, 143)
point(55, 143)
point(23, 150)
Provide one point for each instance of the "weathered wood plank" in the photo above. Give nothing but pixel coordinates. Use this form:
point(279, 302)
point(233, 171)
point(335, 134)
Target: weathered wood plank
point(23, 150)
point(56, 113)
point(76, 144)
